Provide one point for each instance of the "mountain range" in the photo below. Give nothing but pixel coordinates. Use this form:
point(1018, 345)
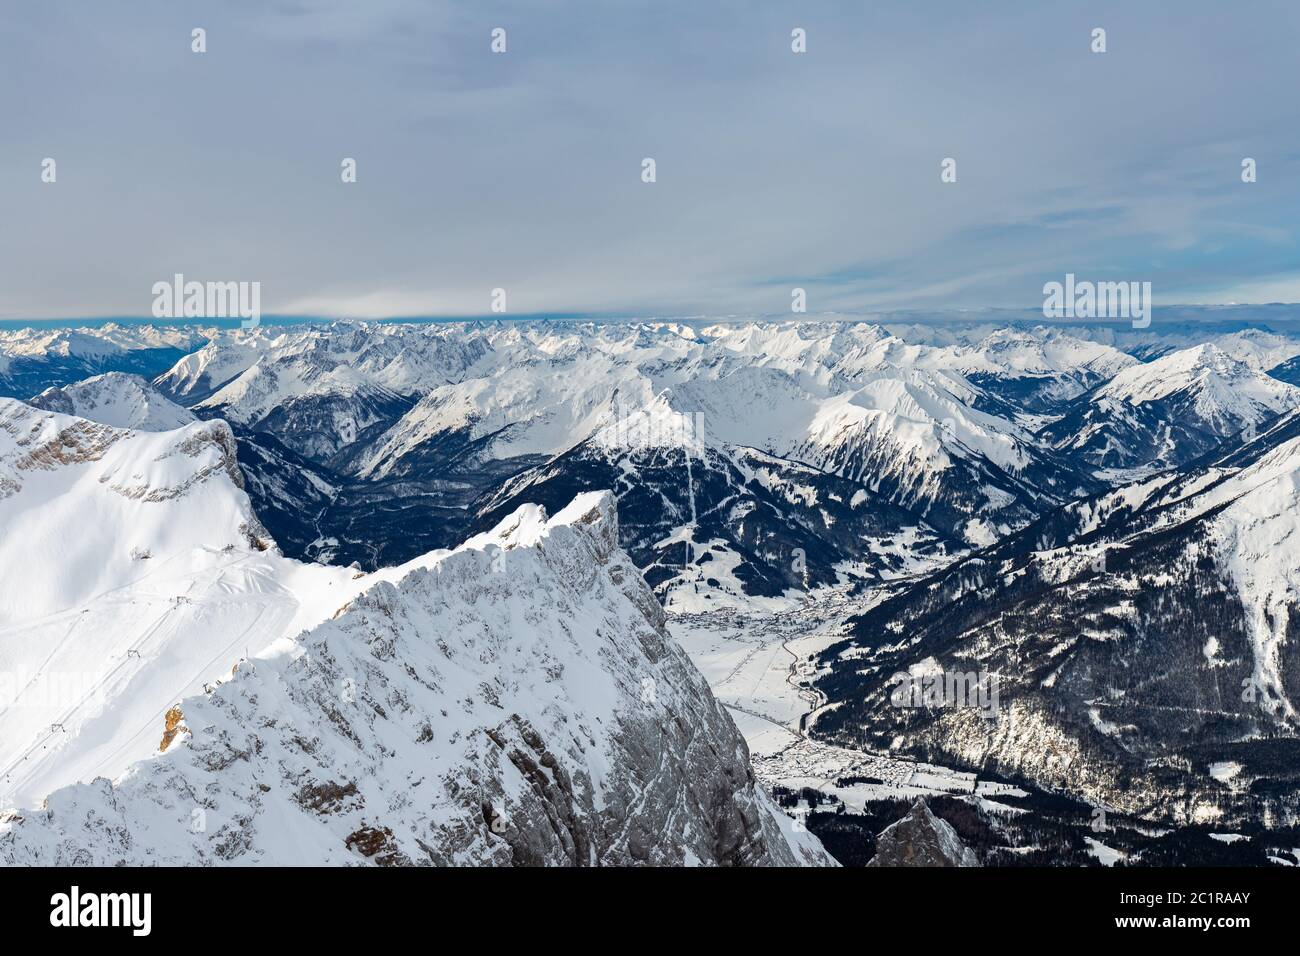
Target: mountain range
point(514, 701)
point(479, 527)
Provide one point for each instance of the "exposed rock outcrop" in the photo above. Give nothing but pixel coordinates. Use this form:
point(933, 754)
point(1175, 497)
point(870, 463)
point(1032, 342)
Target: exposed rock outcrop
point(922, 839)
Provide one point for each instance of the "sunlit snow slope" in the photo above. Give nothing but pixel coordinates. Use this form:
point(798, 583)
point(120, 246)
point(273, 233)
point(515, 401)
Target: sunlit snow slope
point(517, 701)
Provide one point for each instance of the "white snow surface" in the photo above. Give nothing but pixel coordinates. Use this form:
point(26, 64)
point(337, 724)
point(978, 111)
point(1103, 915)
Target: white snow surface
point(442, 719)
point(1256, 535)
point(333, 717)
point(135, 572)
point(1225, 389)
point(108, 340)
point(117, 399)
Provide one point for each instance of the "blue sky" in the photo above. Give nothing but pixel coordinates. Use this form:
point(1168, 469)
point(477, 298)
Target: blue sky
point(522, 170)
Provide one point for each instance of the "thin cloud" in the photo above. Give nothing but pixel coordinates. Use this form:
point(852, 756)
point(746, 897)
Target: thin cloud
point(522, 171)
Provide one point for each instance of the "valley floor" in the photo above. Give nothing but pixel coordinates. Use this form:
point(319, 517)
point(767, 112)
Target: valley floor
point(759, 666)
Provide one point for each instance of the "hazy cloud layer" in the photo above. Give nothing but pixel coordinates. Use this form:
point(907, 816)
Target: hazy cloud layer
point(522, 170)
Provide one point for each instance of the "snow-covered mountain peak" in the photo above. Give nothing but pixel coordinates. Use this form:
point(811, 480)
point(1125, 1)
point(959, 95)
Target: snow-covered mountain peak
point(1041, 351)
point(501, 705)
point(655, 425)
point(1169, 411)
point(116, 399)
point(107, 502)
point(1217, 378)
point(594, 511)
point(919, 417)
point(96, 344)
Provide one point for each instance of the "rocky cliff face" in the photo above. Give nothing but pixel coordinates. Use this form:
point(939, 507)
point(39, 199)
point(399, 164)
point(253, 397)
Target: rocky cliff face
point(921, 839)
point(515, 702)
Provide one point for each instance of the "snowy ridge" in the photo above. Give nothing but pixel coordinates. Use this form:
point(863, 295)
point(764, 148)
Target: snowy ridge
point(84, 505)
point(1225, 389)
point(1168, 412)
point(514, 702)
point(1256, 532)
point(1253, 517)
point(99, 343)
point(32, 360)
point(135, 572)
point(851, 400)
point(1140, 636)
point(116, 399)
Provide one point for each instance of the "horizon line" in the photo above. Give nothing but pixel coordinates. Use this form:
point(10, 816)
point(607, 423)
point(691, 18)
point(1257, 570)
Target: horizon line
point(1025, 313)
